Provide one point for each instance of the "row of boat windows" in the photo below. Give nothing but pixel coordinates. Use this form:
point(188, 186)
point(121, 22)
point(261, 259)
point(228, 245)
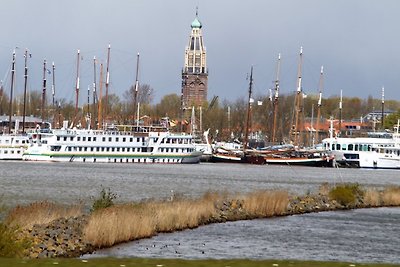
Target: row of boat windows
point(16, 141)
point(123, 139)
point(351, 147)
point(140, 160)
point(121, 149)
point(390, 152)
point(12, 151)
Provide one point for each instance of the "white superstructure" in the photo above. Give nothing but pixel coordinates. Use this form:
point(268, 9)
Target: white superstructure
point(149, 145)
point(12, 146)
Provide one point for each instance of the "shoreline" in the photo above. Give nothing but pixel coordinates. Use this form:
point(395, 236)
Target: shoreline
point(74, 236)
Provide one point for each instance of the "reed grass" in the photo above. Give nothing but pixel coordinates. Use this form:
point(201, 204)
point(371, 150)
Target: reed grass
point(121, 223)
point(266, 203)
point(42, 212)
point(391, 196)
point(372, 197)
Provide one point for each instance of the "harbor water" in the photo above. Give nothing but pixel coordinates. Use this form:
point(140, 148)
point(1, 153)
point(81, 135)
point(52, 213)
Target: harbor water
point(366, 235)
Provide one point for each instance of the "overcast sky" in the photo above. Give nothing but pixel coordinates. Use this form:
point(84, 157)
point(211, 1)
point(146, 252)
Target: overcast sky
point(357, 42)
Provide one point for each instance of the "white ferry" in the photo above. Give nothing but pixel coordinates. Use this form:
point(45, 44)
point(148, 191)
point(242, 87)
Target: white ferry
point(383, 157)
point(12, 146)
point(140, 145)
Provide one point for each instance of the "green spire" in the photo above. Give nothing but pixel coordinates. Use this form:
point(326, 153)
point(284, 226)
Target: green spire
point(196, 22)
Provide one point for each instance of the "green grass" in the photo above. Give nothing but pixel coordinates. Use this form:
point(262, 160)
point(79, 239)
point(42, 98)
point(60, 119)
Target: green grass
point(124, 262)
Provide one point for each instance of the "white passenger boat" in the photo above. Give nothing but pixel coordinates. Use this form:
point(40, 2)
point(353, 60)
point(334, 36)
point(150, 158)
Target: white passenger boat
point(12, 146)
point(383, 157)
point(129, 145)
point(349, 150)
point(380, 151)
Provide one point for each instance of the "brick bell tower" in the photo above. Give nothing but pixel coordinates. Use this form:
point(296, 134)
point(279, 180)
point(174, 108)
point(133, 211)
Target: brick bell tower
point(195, 72)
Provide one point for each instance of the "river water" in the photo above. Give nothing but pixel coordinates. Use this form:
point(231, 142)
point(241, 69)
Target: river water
point(368, 235)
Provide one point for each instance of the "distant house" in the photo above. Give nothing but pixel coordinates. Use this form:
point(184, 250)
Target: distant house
point(16, 123)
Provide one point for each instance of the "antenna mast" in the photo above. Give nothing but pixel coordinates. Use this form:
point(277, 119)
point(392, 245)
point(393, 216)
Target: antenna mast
point(53, 86)
point(100, 110)
point(276, 98)
point(77, 86)
point(25, 89)
point(340, 112)
point(383, 109)
point(135, 97)
point(44, 90)
point(321, 85)
point(107, 80)
point(11, 91)
point(94, 126)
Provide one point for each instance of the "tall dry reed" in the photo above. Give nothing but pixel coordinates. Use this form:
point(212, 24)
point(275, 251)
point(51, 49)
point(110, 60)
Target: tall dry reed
point(42, 212)
point(372, 197)
point(120, 223)
point(266, 203)
point(391, 196)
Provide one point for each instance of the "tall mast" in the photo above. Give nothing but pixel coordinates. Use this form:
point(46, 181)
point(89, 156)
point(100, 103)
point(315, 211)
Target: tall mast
point(383, 109)
point(44, 90)
point(298, 97)
point(53, 86)
point(77, 86)
point(135, 96)
point(100, 110)
point(276, 98)
point(94, 126)
point(11, 92)
point(88, 119)
point(248, 123)
point(25, 89)
point(340, 112)
point(321, 85)
point(107, 80)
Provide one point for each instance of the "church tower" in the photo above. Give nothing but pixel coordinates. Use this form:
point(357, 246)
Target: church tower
point(195, 72)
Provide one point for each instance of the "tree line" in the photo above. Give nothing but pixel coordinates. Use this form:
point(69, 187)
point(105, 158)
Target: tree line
point(226, 119)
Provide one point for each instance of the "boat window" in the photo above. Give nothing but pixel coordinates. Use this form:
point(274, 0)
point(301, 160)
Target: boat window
point(65, 138)
point(89, 139)
point(116, 139)
point(103, 139)
point(356, 147)
point(77, 139)
point(94, 139)
point(350, 147)
point(124, 139)
point(109, 139)
point(84, 139)
point(337, 146)
point(108, 149)
point(369, 147)
point(131, 139)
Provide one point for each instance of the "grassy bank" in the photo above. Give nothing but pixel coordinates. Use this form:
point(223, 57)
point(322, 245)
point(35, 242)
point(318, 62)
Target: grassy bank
point(106, 262)
point(53, 230)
